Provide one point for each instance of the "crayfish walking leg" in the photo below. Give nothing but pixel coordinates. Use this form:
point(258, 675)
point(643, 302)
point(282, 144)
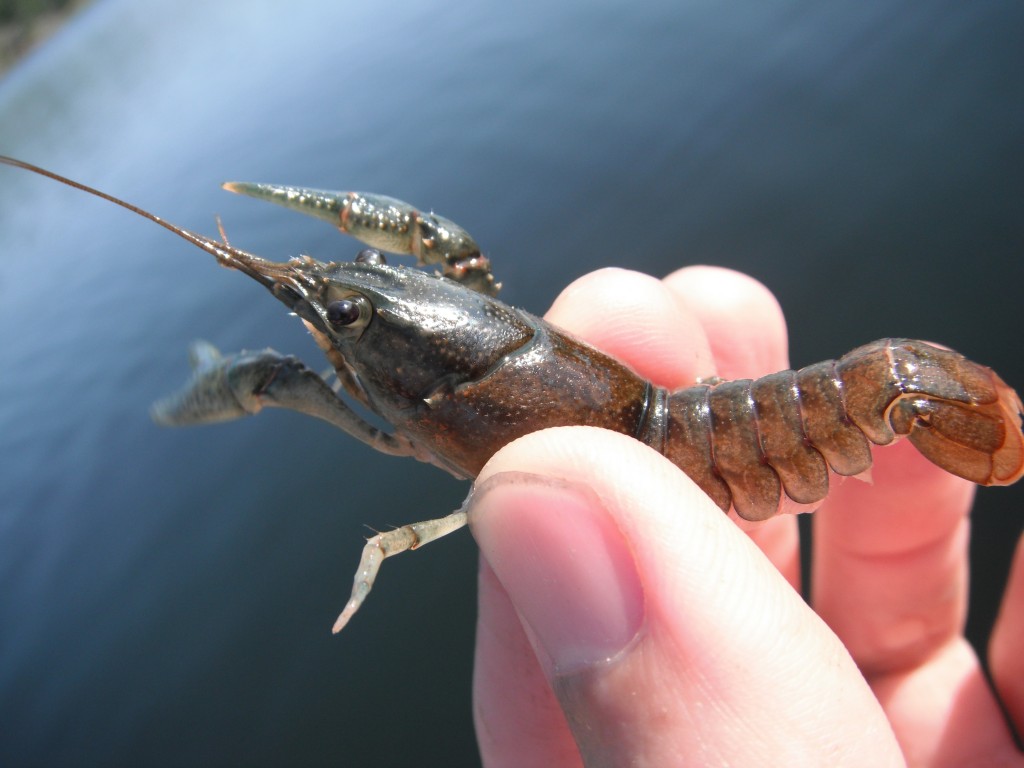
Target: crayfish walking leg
point(390, 543)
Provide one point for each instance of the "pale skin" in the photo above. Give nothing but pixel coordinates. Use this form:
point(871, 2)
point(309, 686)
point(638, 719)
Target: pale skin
point(625, 618)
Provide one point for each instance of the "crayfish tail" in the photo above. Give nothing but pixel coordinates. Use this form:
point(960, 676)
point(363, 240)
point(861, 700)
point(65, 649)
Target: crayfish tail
point(981, 442)
point(960, 415)
point(767, 445)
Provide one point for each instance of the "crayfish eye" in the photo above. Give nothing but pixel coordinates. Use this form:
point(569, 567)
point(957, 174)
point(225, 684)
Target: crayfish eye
point(370, 256)
point(345, 312)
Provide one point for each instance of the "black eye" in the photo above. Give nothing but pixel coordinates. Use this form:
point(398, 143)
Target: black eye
point(342, 312)
point(370, 256)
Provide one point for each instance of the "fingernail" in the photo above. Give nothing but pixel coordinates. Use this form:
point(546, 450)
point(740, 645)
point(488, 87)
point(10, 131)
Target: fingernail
point(564, 563)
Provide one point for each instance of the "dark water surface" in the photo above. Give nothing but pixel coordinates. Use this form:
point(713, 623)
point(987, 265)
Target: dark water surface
point(166, 596)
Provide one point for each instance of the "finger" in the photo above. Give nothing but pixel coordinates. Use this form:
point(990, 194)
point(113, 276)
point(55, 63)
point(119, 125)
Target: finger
point(943, 712)
point(696, 323)
point(518, 720)
point(635, 319)
point(742, 319)
point(662, 630)
point(890, 560)
point(890, 577)
point(746, 332)
point(1006, 658)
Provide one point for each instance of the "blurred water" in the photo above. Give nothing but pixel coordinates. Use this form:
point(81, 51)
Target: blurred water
point(166, 595)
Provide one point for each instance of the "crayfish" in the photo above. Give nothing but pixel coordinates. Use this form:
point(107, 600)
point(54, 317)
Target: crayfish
point(458, 375)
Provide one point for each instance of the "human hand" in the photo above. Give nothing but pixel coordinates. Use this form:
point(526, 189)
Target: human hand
point(625, 618)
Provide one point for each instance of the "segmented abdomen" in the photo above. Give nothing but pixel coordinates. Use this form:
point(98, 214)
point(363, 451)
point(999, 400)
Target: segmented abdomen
point(746, 442)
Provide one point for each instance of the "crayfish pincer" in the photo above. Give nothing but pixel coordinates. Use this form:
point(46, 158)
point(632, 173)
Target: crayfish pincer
point(476, 374)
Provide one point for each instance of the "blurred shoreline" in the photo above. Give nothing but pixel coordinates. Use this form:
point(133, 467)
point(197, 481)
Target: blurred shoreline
point(25, 26)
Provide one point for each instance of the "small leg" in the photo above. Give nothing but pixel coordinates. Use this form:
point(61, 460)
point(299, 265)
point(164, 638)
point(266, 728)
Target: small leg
point(385, 545)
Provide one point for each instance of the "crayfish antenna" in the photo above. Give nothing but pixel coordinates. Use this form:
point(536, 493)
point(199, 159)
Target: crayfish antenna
point(384, 545)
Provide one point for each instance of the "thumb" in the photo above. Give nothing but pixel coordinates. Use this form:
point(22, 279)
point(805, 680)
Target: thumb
point(664, 633)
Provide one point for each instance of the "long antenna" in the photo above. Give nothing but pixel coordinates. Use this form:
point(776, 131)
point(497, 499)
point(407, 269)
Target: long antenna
point(227, 255)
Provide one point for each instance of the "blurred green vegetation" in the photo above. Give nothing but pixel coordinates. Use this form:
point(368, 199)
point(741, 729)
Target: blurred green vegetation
point(25, 23)
point(24, 11)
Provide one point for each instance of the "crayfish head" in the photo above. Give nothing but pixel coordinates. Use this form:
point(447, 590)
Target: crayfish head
point(405, 333)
